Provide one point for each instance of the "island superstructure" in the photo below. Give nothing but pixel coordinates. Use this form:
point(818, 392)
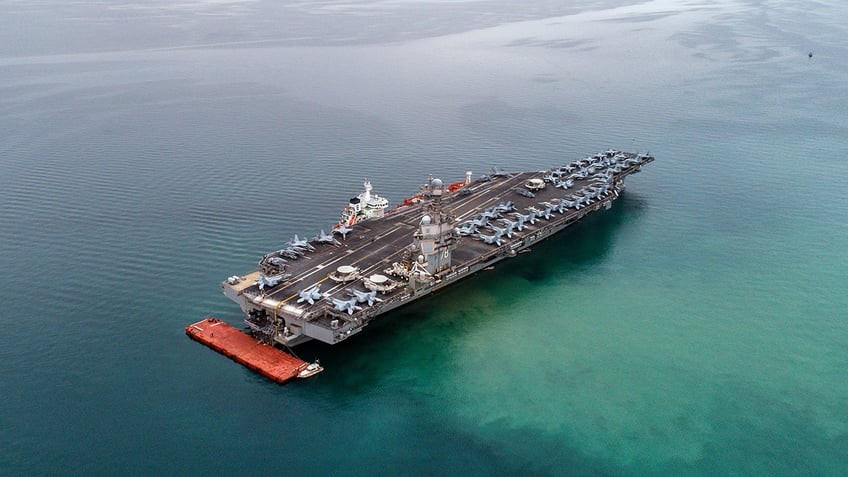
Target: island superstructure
point(376, 259)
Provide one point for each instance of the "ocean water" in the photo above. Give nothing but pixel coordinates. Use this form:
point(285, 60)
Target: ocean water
point(150, 150)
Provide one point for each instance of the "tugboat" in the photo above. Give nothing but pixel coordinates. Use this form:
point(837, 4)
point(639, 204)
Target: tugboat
point(363, 207)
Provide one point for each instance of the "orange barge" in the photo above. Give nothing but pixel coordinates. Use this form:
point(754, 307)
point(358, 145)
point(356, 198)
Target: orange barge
point(266, 360)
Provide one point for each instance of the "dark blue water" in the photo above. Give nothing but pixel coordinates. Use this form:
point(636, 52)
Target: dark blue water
point(698, 328)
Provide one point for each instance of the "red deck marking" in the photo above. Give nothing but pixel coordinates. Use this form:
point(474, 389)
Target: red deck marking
point(244, 349)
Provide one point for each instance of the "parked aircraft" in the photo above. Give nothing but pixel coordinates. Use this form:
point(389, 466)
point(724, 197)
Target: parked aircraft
point(489, 214)
point(524, 192)
point(490, 239)
point(278, 262)
point(343, 231)
point(467, 228)
point(349, 306)
point(326, 238)
point(310, 295)
point(272, 281)
point(522, 219)
point(297, 243)
point(510, 225)
point(362, 297)
point(498, 172)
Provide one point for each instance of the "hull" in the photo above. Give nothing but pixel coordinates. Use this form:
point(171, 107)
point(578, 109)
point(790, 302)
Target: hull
point(421, 247)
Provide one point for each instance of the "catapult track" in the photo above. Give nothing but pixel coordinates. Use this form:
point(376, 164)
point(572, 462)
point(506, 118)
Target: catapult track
point(280, 313)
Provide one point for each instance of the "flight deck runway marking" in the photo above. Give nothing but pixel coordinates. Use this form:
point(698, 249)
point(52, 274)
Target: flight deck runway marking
point(312, 271)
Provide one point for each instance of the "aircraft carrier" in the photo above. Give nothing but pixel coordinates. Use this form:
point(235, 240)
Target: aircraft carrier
point(376, 259)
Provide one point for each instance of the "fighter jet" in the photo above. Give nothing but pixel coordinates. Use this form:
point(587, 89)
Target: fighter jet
point(584, 199)
point(533, 213)
point(467, 228)
point(489, 214)
point(362, 297)
point(271, 281)
point(349, 306)
point(343, 231)
point(491, 239)
point(326, 238)
point(510, 226)
point(498, 172)
point(545, 214)
point(603, 176)
point(504, 207)
point(600, 190)
point(309, 295)
point(480, 222)
point(549, 207)
point(278, 262)
point(524, 192)
point(571, 204)
point(564, 184)
point(559, 206)
point(303, 244)
point(292, 253)
point(521, 219)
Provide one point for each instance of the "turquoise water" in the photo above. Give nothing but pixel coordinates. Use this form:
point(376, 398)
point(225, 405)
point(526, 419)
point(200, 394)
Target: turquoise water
point(698, 328)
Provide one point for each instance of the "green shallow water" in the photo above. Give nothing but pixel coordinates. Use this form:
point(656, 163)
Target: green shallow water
point(697, 328)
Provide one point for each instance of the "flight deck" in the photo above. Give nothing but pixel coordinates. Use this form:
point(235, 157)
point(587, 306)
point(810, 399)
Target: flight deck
point(331, 286)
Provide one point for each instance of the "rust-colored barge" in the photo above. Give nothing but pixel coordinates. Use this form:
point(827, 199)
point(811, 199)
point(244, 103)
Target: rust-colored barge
point(266, 360)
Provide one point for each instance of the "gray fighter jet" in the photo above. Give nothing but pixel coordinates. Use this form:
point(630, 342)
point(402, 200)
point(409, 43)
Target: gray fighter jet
point(500, 232)
point(480, 222)
point(326, 238)
point(278, 262)
point(603, 176)
point(521, 219)
point(309, 295)
point(292, 253)
point(301, 244)
point(533, 213)
point(504, 207)
point(510, 225)
point(552, 177)
point(559, 206)
point(524, 192)
point(571, 204)
point(491, 239)
point(271, 281)
point(545, 214)
point(349, 306)
point(498, 172)
point(467, 228)
point(343, 231)
point(489, 214)
point(564, 184)
point(549, 207)
point(362, 297)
